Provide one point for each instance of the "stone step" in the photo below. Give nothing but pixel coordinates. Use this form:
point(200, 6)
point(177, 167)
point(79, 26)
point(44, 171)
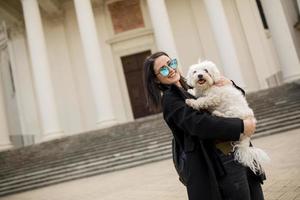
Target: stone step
point(261, 100)
point(258, 98)
point(84, 164)
point(88, 159)
point(95, 153)
point(127, 145)
point(279, 115)
point(276, 130)
point(103, 144)
point(71, 174)
point(92, 153)
point(275, 111)
point(270, 106)
point(161, 155)
point(285, 122)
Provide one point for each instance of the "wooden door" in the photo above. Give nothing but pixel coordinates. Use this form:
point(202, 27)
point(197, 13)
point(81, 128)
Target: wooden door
point(133, 69)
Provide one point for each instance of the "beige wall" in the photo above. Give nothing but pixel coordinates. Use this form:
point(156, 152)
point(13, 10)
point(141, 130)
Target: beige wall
point(86, 106)
point(62, 76)
point(193, 37)
point(189, 46)
point(104, 34)
point(292, 13)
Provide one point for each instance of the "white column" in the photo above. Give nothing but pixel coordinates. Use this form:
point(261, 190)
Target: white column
point(282, 39)
point(41, 71)
point(222, 34)
point(4, 132)
point(94, 62)
point(162, 28)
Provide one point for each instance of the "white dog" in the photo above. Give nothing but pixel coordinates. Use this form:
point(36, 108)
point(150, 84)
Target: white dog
point(224, 101)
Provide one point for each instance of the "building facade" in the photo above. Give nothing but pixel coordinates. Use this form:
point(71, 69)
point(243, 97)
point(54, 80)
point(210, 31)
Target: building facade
point(71, 66)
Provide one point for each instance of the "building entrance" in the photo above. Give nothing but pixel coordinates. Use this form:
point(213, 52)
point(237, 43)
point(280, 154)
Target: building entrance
point(133, 69)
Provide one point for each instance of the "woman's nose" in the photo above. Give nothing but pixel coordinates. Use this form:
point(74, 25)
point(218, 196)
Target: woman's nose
point(171, 69)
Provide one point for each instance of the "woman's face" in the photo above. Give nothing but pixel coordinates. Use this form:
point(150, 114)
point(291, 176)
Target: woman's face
point(172, 78)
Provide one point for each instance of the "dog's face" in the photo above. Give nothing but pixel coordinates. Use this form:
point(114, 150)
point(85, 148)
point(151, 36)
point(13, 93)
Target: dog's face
point(203, 75)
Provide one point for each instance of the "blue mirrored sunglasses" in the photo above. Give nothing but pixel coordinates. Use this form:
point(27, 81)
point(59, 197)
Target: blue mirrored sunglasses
point(165, 70)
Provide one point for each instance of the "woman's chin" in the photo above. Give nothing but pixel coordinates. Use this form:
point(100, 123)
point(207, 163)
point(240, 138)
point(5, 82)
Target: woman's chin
point(176, 78)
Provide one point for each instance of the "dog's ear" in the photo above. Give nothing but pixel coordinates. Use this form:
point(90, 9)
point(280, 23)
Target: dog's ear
point(189, 77)
point(214, 71)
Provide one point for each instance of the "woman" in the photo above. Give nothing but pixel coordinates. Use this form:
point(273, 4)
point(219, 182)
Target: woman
point(211, 170)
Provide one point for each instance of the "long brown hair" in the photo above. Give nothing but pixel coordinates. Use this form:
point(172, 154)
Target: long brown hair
point(153, 88)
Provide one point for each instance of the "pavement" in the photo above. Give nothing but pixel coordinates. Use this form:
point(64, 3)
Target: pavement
point(159, 181)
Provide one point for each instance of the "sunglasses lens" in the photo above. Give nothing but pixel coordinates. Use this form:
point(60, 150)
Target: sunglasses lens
point(164, 71)
point(173, 64)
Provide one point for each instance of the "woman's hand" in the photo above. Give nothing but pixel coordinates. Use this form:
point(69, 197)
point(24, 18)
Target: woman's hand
point(249, 126)
point(223, 81)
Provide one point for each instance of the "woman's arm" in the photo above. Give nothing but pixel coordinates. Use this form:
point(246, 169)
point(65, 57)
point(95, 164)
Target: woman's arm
point(224, 81)
point(199, 123)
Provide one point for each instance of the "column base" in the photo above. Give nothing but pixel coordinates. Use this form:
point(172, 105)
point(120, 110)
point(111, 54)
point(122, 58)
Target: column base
point(106, 123)
point(4, 147)
point(52, 136)
point(292, 78)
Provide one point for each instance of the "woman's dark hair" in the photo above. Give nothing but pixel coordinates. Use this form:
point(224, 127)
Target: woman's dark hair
point(153, 88)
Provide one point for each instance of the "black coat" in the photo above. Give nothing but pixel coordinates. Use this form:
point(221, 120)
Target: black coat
point(198, 130)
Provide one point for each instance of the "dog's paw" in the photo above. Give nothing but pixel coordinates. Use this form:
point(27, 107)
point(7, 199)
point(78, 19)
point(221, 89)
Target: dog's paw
point(192, 103)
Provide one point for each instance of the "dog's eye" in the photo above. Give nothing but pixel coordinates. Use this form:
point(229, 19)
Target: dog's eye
point(206, 70)
point(194, 72)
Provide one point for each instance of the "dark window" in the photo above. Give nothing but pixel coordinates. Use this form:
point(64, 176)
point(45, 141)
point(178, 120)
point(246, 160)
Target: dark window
point(262, 14)
point(11, 76)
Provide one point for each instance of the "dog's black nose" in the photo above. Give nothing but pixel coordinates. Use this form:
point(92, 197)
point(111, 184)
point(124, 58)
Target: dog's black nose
point(200, 76)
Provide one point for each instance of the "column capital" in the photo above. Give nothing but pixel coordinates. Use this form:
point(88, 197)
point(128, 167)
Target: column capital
point(162, 28)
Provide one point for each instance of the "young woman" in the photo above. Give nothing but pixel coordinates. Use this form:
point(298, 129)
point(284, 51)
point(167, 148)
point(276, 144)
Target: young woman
point(211, 172)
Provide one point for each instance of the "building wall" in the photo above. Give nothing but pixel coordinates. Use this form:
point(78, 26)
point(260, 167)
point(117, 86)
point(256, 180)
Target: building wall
point(194, 39)
point(254, 46)
point(242, 49)
point(83, 93)
point(115, 83)
point(292, 16)
point(187, 39)
point(258, 41)
point(62, 74)
point(124, 44)
point(24, 86)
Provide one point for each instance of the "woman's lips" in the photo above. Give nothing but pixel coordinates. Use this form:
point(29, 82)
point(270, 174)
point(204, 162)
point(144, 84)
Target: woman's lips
point(172, 75)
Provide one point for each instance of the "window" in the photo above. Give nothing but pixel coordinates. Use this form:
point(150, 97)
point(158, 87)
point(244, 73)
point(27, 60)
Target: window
point(262, 14)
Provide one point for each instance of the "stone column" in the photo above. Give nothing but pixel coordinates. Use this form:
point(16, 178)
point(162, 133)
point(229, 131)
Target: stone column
point(224, 40)
point(41, 70)
point(94, 62)
point(161, 26)
point(4, 132)
point(282, 38)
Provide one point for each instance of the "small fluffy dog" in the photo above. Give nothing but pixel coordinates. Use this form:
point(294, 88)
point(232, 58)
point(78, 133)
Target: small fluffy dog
point(224, 101)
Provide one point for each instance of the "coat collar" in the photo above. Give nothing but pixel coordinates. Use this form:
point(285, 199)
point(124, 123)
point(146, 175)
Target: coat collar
point(179, 90)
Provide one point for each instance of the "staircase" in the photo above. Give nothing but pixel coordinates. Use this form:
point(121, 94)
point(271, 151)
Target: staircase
point(142, 141)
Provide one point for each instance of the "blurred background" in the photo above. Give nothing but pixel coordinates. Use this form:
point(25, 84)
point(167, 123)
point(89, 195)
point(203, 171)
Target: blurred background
point(72, 101)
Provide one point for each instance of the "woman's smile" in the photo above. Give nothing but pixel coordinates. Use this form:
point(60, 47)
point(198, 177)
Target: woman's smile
point(172, 74)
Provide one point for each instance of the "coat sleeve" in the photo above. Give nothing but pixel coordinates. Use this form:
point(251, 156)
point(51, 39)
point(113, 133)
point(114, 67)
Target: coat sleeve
point(199, 123)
